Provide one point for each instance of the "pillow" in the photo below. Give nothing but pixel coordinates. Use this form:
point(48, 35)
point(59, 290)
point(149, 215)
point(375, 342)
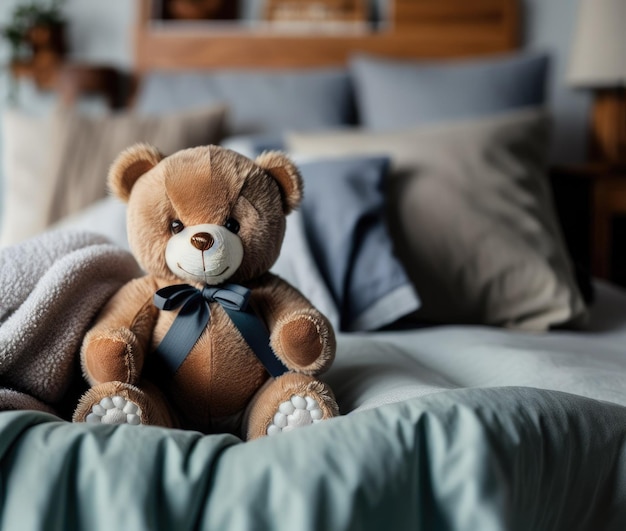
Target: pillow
point(471, 216)
point(75, 151)
point(343, 215)
point(259, 102)
point(297, 266)
point(25, 191)
point(252, 146)
point(392, 94)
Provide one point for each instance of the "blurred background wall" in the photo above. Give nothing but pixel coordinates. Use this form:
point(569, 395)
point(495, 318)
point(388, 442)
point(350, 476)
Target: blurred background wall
point(101, 31)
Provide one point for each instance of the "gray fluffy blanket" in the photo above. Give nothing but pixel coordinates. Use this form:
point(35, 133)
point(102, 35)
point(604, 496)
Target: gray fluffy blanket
point(51, 287)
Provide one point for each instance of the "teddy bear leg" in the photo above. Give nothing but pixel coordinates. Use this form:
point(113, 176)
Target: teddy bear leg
point(122, 403)
point(290, 401)
point(111, 355)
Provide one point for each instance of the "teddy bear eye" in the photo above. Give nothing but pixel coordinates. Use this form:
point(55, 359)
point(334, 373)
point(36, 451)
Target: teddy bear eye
point(176, 226)
point(232, 225)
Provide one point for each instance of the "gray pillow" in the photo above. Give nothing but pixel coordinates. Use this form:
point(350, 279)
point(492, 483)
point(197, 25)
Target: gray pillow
point(259, 101)
point(344, 222)
point(393, 94)
point(471, 216)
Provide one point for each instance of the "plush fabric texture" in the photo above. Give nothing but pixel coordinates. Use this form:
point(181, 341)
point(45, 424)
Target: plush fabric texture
point(259, 101)
point(188, 214)
point(393, 94)
point(77, 149)
point(471, 215)
point(343, 213)
point(51, 287)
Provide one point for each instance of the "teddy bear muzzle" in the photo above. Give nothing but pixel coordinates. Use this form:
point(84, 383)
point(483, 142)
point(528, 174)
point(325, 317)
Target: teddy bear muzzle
point(204, 253)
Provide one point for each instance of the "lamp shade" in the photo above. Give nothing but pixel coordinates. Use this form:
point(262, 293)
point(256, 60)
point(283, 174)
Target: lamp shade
point(599, 49)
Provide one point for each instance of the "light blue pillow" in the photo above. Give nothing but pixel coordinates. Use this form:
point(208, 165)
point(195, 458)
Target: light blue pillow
point(259, 101)
point(393, 94)
point(343, 214)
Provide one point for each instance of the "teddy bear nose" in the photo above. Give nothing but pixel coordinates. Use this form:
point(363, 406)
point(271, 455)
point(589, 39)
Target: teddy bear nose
point(202, 241)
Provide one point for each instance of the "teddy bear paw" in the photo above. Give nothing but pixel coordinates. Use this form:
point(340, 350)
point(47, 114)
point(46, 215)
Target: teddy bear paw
point(294, 413)
point(115, 410)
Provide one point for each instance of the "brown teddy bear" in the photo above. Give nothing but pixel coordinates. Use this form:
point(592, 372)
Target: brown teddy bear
point(224, 345)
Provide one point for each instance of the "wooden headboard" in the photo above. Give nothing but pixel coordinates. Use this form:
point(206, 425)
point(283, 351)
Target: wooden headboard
point(416, 29)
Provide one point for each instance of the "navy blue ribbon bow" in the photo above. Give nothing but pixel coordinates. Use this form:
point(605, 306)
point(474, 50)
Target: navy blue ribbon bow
point(195, 314)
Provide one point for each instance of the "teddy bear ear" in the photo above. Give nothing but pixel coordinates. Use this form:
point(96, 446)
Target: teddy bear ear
point(129, 165)
point(286, 174)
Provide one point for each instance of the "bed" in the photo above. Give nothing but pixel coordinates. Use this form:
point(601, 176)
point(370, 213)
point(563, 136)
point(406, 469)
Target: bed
point(480, 384)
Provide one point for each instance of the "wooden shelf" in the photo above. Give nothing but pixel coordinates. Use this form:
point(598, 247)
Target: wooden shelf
point(78, 79)
point(318, 10)
point(194, 48)
point(43, 74)
point(73, 80)
point(490, 28)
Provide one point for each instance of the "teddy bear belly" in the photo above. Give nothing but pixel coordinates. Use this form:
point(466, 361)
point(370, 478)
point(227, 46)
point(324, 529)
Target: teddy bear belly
point(218, 377)
point(206, 386)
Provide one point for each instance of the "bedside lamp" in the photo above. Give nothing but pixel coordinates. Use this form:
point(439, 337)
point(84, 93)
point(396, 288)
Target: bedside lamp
point(598, 62)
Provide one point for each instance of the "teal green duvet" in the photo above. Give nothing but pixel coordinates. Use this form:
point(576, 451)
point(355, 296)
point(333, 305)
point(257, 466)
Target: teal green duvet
point(482, 459)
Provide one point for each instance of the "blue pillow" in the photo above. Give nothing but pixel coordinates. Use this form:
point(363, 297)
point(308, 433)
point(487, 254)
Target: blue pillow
point(343, 213)
point(393, 94)
point(259, 101)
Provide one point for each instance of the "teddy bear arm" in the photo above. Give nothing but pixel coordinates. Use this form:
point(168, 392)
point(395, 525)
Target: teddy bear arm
point(301, 337)
point(114, 348)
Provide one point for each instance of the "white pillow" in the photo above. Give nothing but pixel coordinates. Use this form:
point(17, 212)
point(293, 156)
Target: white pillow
point(57, 165)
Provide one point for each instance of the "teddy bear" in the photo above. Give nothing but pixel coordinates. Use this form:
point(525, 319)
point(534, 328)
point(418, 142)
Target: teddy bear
point(208, 339)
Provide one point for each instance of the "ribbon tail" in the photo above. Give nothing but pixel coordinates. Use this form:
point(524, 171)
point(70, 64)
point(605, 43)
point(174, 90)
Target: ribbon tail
point(184, 332)
point(256, 335)
point(194, 316)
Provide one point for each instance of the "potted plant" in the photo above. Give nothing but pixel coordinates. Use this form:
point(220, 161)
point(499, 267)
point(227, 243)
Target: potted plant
point(36, 35)
point(34, 27)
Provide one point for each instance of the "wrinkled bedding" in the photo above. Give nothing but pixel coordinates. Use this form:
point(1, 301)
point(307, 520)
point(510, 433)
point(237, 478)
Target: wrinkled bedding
point(379, 368)
point(488, 459)
point(450, 427)
point(51, 287)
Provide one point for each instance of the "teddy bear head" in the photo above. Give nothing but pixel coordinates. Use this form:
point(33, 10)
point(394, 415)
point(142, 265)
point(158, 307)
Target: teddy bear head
point(205, 215)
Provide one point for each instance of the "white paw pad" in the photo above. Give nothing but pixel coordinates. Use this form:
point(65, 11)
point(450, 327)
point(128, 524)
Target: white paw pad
point(297, 412)
point(115, 410)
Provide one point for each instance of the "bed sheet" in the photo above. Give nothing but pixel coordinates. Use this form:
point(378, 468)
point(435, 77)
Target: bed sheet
point(449, 427)
point(374, 369)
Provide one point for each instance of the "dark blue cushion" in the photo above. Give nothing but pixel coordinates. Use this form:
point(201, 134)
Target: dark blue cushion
point(392, 94)
point(343, 213)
